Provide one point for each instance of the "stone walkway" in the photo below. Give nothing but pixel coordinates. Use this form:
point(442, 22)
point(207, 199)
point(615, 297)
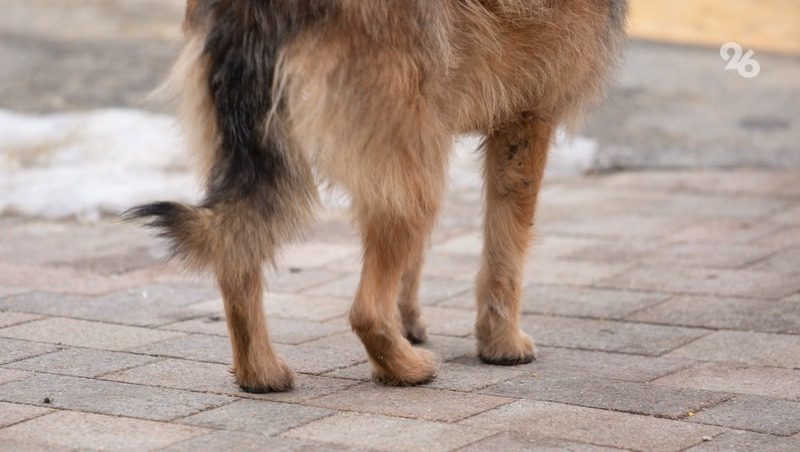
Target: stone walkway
point(666, 308)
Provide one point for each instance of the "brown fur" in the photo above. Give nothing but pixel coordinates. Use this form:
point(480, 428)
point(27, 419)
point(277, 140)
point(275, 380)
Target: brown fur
point(371, 93)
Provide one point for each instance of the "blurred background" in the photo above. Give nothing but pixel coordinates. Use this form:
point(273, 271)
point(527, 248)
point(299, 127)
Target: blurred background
point(673, 104)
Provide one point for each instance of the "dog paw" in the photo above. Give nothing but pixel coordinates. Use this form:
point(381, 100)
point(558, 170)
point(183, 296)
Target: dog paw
point(508, 351)
point(416, 367)
point(277, 377)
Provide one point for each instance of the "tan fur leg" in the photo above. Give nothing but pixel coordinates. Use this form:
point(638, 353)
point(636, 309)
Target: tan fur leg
point(389, 242)
point(256, 366)
point(408, 302)
point(515, 161)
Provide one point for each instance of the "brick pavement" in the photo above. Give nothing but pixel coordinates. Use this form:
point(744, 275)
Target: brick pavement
point(666, 307)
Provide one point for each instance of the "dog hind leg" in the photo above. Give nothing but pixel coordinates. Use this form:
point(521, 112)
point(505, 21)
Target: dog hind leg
point(515, 159)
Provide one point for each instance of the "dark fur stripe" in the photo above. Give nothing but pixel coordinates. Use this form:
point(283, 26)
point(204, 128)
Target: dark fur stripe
point(242, 47)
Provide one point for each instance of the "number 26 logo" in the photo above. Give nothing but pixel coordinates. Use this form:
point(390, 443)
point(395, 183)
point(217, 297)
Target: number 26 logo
point(737, 61)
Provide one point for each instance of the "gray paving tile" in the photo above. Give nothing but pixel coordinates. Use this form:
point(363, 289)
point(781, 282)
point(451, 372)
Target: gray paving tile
point(740, 441)
point(417, 402)
point(740, 378)
point(730, 313)
point(593, 392)
point(195, 347)
point(586, 302)
point(7, 375)
point(107, 397)
point(471, 376)
point(609, 336)
point(8, 318)
point(615, 366)
point(387, 433)
point(12, 413)
point(257, 416)
point(283, 331)
point(216, 378)
point(761, 349)
point(508, 442)
point(590, 425)
point(448, 322)
point(148, 305)
point(432, 289)
point(758, 414)
point(65, 430)
point(14, 350)
point(249, 442)
point(82, 333)
point(292, 306)
point(687, 280)
point(81, 362)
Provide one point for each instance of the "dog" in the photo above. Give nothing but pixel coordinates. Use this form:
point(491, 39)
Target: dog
point(368, 95)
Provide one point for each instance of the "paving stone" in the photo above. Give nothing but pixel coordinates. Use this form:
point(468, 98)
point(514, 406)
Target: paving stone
point(609, 336)
point(734, 181)
point(81, 333)
point(149, 305)
point(761, 349)
point(593, 392)
point(463, 377)
point(13, 350)
point(13, 318)
point(724, 230)
point(508, 442)
point(590, 425)
point(448, 322)
point(684, 280)
point(790, 215)
point(317, 254)
point(576, 273)
point(257, 416)
point(249, 442)
point(586, 302)
point(292, 306)
point(786, 261)
point(419, 402)
point(615, 366)
point(777, 417)
point(7, 375)
point(387, 433)
point(13, 413)
point(66, 430)
point(318, 360)
point(217, 378)
point(195, 347)
point(739, 441)
point(67, 280)
point(729, 313)
point(81, 362)
point(710, 255)
point(296, 280)
point(284, 331)
point(107, 397)
point(432, 289)
point(629, 226)
point(731, 377)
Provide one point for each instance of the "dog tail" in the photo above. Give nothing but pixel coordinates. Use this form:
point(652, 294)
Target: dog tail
point(260, 190)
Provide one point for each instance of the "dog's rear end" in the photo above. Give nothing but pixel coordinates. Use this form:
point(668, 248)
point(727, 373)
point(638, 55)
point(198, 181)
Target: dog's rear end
point(372, 92)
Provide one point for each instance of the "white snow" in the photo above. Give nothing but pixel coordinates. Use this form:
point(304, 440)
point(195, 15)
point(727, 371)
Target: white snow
point(86, 164)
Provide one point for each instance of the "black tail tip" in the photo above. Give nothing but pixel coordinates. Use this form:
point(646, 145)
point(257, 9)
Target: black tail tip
point(162, 213)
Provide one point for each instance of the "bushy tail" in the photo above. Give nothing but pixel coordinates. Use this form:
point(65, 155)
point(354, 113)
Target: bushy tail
point(260, 191)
